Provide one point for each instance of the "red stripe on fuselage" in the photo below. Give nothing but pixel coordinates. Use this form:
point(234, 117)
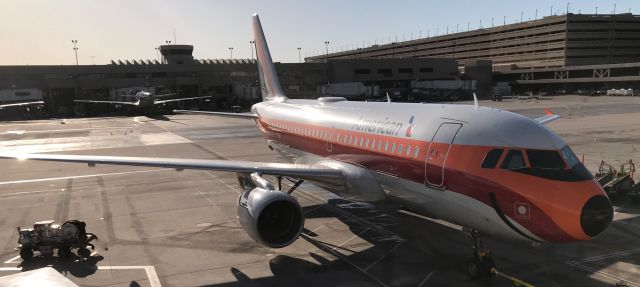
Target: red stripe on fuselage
point(462, 169)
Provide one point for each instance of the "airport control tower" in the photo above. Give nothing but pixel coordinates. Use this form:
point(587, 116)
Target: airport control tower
point(177, 54)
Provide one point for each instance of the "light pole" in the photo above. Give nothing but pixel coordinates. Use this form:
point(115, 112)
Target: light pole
point(75, 49)
point(231, 53)
point(299, 58)
point(251, 44)
point(158, 53)
point(326, 55)
point(568, 7)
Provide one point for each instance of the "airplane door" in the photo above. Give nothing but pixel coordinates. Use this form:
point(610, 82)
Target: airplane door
point(437, 153)
point(329, 139)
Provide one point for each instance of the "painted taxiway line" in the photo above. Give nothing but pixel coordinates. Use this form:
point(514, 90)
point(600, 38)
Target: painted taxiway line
point(79, 176)
point(152, 275)
point(10, 261)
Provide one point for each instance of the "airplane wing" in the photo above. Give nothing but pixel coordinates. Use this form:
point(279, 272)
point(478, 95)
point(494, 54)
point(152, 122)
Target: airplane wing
point(229, 115)
point(303, 171)
point(22, 104)
point(179, 99)
point(108, 102)
point(548, 117)
point(164, 95)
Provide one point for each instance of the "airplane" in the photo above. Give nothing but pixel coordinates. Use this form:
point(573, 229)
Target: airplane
point(145, 100)
point(36, 103)
point(491, 171)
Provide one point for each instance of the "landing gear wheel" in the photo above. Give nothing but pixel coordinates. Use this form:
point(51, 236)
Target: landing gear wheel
point(480, 265)
point(26, 254)
point(480, 269)
point(84, 252)
point(64, 252)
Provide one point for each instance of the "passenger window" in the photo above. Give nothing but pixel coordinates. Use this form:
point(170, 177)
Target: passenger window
point(408, 151)
point(513, 160)
point(380, 145)
point(491, 158)
point(386, 146)
point(416, 152)
point(393, 148)
point(355, 141)
point(373, 144)
point(400, 149)
point(366, 145)
point(548, 159)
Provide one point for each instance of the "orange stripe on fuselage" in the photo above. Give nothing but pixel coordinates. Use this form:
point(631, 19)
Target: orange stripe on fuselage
point(555, 205)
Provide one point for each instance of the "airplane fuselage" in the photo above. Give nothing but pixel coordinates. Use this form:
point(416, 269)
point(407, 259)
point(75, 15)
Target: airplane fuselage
point(429, 158)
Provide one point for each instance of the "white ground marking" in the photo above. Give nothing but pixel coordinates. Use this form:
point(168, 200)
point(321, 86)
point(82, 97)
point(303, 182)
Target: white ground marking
point(154, 280)
point(19, 132)
point(425, 279)
point(580, 264)
point(77, 176)
point(11, 261)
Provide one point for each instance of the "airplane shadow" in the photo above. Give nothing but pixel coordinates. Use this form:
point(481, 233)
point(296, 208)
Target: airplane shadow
point(74, 265)
point(403, 249)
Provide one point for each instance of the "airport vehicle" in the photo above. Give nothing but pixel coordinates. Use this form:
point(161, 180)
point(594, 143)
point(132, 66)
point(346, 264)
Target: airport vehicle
point(46, 236)
point(491, 171)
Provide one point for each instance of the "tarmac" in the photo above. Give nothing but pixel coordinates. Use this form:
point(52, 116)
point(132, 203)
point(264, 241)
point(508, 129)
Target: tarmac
point(161, 227)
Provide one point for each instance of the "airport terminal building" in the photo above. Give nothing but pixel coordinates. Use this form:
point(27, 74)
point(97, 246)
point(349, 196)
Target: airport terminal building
point(571, 51)
point(230, 82)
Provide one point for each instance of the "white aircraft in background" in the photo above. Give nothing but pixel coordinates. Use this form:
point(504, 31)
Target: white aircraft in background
point(20, 97)
point(145, 99)
point(491, 171)
point(34, 103)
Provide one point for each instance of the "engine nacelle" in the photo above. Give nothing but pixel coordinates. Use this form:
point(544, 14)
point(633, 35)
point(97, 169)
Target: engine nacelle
point(271, 217)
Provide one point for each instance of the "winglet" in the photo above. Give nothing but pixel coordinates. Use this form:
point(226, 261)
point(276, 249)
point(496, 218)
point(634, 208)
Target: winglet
point(548, 112)
point(475, 102)
point(269, 83)
point(388, 98)
point(548, 117)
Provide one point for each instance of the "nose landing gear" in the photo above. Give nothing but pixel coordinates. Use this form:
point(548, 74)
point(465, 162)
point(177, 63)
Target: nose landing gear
point(480, 265)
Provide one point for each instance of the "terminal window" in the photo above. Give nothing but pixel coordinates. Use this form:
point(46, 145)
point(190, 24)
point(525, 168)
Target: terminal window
point(426, 70)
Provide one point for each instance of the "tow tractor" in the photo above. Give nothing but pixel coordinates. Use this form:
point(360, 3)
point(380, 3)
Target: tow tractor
point(47, 236)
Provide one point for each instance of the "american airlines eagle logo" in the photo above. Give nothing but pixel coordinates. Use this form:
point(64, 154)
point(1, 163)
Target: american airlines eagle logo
point(410, 128)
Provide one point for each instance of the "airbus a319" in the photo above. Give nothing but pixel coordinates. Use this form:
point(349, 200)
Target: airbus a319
point(491, 171)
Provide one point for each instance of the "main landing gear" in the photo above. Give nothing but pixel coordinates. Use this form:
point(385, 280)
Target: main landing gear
point(480, 265)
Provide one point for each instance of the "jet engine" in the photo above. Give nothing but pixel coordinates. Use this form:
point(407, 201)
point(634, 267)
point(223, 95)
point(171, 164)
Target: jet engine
point(271, 217)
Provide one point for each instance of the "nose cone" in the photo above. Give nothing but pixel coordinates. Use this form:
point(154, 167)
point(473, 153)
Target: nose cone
point(596, 215)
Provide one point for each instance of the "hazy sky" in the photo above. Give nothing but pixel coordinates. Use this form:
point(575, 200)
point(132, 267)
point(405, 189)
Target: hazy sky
point(38, 32)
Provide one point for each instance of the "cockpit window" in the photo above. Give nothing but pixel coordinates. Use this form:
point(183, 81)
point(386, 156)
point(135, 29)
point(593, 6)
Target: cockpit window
point(513, 160)
point(547, 159)
point(569, 156)
point(491, 159)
